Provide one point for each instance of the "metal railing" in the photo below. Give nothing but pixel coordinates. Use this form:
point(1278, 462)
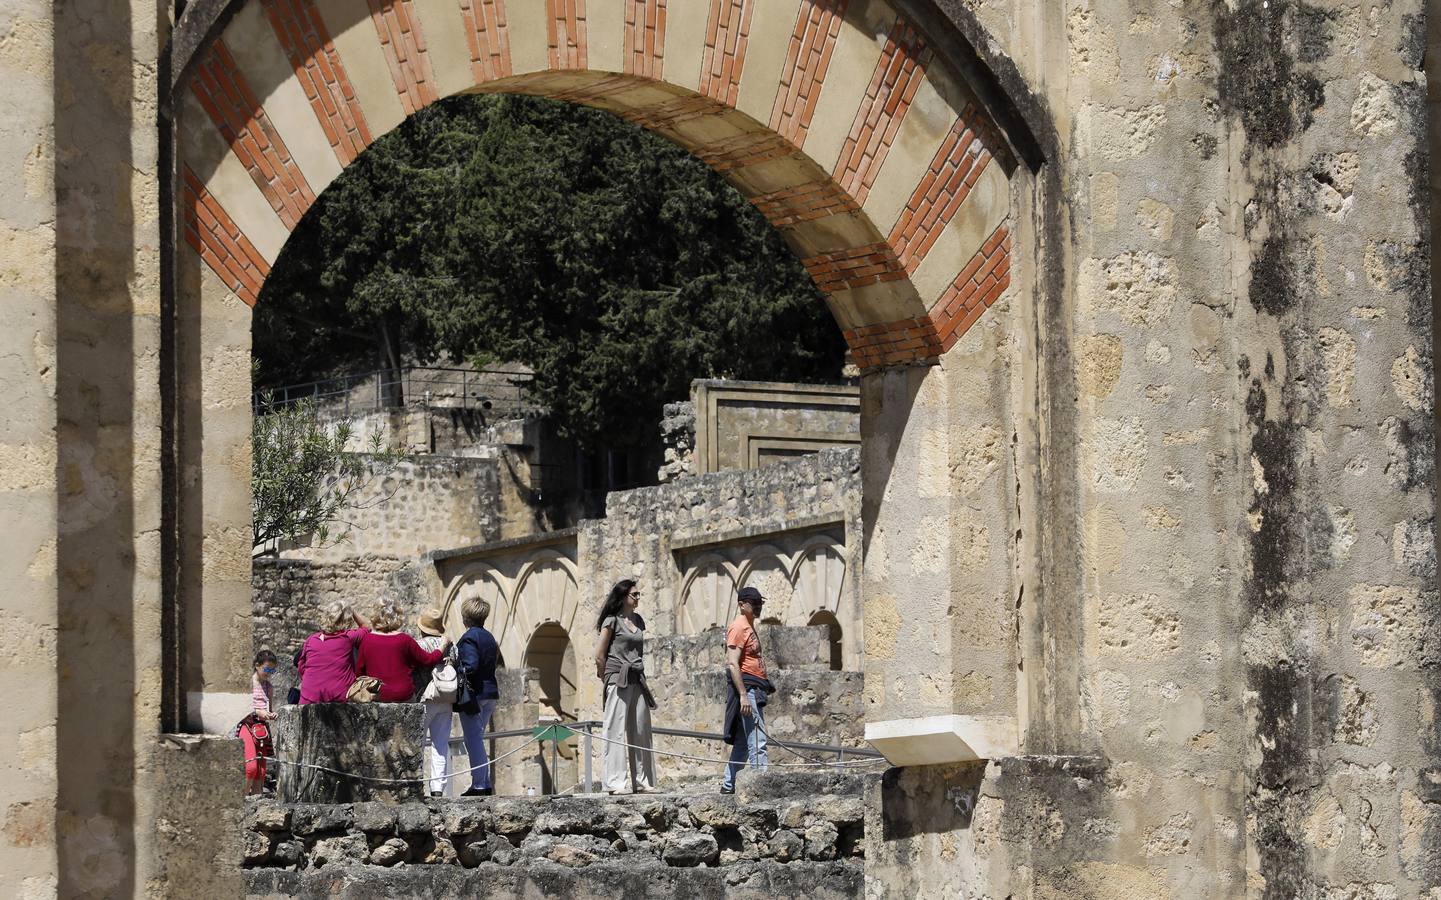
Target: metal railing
point(585, 727)
point(497, 393)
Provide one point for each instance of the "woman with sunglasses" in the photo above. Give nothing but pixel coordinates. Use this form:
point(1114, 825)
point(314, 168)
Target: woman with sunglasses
point(628, 701)
point(254, 729)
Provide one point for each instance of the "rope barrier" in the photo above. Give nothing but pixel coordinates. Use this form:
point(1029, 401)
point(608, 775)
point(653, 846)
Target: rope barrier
point(725, 762)
point(533, 739)
point(378, 780)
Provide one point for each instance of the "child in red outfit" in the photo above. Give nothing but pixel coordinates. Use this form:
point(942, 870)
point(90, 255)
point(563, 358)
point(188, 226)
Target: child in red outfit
point(254, 729)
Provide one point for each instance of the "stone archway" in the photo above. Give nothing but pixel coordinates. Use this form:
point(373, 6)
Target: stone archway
point(551, 653)
point(855, 133)
point(871, 157)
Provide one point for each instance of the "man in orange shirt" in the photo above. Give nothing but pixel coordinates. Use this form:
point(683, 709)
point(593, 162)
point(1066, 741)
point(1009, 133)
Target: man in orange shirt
point(745, 728)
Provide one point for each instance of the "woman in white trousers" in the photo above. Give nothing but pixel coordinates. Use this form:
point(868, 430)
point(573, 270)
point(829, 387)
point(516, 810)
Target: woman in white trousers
point(437, 712)
point(619, 663)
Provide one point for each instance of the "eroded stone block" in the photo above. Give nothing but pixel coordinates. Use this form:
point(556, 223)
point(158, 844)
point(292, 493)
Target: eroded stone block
point(340, 752)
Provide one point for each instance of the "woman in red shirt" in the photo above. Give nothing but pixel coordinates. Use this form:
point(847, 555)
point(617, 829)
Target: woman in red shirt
point(392, 656)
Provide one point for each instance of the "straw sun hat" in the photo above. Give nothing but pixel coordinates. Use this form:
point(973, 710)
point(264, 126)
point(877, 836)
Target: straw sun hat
point(430, 623)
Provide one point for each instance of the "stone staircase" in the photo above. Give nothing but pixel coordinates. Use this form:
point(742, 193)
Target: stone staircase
point(781, 835)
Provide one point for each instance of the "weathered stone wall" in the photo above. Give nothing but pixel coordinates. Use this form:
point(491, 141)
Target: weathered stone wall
point(29, 630)
point(417, 504)
point(579, 847)
point(677, 438)
point(199, 832)
point(537, 469)
point(812, 704)
point(349, 752)
point(81, 231)
point(1233, 558)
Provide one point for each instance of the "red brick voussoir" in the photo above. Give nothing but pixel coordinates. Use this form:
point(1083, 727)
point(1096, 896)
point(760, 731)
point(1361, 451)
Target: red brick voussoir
point(219, 241)
point(318, 67)
point(228, 100)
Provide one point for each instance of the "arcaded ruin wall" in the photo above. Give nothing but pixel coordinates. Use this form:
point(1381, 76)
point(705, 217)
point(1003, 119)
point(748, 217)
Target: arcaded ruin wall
point(664, 535)
point(790, 528)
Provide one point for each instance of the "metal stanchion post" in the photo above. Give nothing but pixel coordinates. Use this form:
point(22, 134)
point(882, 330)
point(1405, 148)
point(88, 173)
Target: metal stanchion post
point(586, 744)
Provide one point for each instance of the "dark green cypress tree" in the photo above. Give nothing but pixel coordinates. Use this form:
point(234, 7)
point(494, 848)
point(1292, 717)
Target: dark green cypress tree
point(609, 260)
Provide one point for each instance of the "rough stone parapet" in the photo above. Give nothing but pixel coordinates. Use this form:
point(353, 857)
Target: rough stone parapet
point(764, 880)
point(774, 822)
point(288, 594)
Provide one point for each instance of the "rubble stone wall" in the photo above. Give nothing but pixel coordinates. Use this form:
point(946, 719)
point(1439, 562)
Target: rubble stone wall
point(416, 504)
point(751, 838)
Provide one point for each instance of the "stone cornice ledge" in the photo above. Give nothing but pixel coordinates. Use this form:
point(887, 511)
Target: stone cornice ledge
point(939, 740)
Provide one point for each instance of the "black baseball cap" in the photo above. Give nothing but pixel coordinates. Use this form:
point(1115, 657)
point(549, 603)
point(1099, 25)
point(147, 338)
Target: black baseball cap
point(749, 595)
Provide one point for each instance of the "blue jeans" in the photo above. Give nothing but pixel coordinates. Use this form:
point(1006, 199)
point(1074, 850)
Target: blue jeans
point(752, 750)
point(473, 727)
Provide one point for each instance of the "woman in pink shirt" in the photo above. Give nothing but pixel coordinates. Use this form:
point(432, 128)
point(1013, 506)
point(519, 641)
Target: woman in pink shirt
point(392, 655)
point(326, 667)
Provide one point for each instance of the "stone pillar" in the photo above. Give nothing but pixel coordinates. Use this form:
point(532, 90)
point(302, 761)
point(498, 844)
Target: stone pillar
point(213, 431)
point(374, 740)
point(937, 517)
point(28, 615)
point(213, 428)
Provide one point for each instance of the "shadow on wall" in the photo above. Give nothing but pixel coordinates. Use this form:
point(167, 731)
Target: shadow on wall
point(907, 812)
point(887, 397)
point(95, 355)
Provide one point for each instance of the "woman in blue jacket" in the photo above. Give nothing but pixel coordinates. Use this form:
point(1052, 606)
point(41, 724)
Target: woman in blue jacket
point(478, 652)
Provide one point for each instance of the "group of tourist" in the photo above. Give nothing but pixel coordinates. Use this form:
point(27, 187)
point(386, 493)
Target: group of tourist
point(352, 658)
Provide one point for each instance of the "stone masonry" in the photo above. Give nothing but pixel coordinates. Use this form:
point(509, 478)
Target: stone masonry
point(1141, 296)
point(781, 835)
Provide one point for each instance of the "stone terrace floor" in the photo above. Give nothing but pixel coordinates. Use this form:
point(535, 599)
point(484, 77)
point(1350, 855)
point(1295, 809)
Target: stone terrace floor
point(780, 835)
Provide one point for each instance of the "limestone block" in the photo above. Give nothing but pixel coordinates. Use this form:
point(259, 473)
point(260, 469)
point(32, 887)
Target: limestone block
point(339, 851)
point(934, 740)
point(573, 817)
point(691, 849)
point(311, 819)
point(375, 817)
point(786, 846)
point(392, 851)
point(821, 841)
point(373, 740)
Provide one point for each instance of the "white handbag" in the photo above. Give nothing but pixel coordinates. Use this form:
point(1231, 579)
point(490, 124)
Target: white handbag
point(444, 680)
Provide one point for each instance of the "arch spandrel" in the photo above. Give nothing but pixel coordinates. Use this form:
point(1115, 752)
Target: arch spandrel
point(834, 117)
point(707, 594)
point(486, 583)
point(819, 580)
point(546, 590)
